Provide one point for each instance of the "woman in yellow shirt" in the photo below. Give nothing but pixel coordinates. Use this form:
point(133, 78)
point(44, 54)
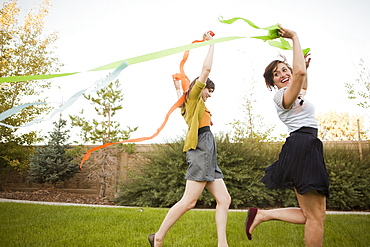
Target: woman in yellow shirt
point(200, 147)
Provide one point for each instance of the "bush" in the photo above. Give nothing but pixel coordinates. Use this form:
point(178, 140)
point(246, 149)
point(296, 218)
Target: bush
point(160, 182)
point(52, 163)
point(349, 178)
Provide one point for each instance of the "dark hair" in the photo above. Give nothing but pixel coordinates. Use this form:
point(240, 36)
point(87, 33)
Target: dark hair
point(269, 72)
point(209, 85)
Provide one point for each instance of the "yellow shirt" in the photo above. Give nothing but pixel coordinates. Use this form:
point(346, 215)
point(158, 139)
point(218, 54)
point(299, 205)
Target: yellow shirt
point(193, 112)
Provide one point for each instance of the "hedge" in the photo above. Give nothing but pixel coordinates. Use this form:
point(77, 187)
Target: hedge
point(160, 180)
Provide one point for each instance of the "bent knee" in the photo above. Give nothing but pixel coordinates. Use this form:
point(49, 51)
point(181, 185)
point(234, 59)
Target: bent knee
point(228, 200)
point(188, 204)
point(224, 201)
point(318, 215)
point(192, 204)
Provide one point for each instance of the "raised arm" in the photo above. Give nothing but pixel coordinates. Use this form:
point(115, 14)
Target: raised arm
point(299, 69)
point(207, 65)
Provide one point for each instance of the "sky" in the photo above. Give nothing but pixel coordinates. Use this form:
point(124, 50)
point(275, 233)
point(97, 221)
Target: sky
point(95, 32)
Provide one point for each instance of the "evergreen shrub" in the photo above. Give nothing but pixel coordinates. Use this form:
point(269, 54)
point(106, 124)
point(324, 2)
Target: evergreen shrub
point(159, 181)
point(349, 177)
point(51, 163)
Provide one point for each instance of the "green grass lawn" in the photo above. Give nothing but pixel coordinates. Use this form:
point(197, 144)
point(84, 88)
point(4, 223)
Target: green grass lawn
point(48, 225)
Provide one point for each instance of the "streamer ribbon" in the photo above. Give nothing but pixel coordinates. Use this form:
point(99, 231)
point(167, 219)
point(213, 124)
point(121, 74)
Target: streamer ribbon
point(182, 76)
point(15, 109)
point(185, 85)
point(131, 61)
point(118, 66)
point(174, 107)
point(271, 35)
point(96, 86)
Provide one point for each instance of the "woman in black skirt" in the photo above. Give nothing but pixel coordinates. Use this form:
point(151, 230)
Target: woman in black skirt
point(200, 147)
point(300, 166)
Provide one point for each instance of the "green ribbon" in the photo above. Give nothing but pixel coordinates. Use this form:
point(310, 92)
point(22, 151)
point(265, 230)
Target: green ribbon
point(273, 33)
point(133, 60)
point(117, 66)
point(97, 85)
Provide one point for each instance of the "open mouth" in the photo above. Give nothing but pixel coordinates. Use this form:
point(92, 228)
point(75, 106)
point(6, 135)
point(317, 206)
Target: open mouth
point(285, 80)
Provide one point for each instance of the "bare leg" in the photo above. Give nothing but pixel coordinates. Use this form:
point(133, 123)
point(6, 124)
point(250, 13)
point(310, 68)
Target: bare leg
point(219, 191)
point(193, 189)
point(311, 213)
point(313, 205)
point(291, 215)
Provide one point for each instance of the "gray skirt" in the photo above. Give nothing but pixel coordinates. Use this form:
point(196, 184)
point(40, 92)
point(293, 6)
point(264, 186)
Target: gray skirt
point(202, 161)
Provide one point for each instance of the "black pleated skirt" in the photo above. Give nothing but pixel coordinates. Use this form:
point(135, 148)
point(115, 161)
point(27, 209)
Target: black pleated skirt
point(300, 165)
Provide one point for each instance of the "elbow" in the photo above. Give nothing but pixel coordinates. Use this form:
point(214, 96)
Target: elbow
point(300, 73)
point(206, 69)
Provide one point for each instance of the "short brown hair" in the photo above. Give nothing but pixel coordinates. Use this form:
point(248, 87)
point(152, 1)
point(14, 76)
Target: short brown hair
point(209, 85)
point(269, 72)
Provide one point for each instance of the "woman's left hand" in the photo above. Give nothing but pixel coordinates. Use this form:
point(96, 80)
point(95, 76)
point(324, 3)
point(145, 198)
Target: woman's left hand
point(176, 83)
point(308, 60)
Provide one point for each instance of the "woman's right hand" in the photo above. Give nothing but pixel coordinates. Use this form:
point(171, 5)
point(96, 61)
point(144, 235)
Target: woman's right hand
point(207, 36)
point(286, 33)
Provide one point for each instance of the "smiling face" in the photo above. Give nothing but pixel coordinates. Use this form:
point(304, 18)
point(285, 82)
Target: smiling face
point(282, 75)
point(206, 93)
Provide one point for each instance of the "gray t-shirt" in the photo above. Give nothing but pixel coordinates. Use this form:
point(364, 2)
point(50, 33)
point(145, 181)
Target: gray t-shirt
point(302, 113)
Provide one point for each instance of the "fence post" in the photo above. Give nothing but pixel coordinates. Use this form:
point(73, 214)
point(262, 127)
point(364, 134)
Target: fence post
point(359, 138)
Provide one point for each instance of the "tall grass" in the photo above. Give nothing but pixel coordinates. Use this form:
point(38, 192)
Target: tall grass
point(48, 225)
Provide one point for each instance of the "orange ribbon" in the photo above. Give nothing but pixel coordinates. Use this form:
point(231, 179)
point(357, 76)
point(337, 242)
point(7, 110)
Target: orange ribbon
point(174, 107)
point(185, 82)
point(185, 85)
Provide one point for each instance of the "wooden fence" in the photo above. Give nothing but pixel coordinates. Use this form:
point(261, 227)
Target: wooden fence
point(11, 180)
point(80, 183)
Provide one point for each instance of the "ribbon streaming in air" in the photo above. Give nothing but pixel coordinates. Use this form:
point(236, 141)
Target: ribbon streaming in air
point(182, 76)
point(271, 35)
point(97, 85)
point(118, 66)
point(185, 85)
point(130, 61)
point(173, 108)
point(11, 111)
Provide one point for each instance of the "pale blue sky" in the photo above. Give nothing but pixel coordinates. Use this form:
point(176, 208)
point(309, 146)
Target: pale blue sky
point(94, 33)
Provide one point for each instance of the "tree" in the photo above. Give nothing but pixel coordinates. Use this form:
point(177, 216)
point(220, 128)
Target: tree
point(339, 126)
point(52, 163)
point(251, 126)
point(24, 50)
point(360, 90)
point(104, 131)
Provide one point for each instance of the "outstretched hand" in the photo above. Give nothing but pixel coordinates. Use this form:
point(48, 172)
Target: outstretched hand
point(286, 33)
point(207, 36)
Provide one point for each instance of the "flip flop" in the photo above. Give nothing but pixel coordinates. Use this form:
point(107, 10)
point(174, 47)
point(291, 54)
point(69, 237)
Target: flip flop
point(252, 212)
